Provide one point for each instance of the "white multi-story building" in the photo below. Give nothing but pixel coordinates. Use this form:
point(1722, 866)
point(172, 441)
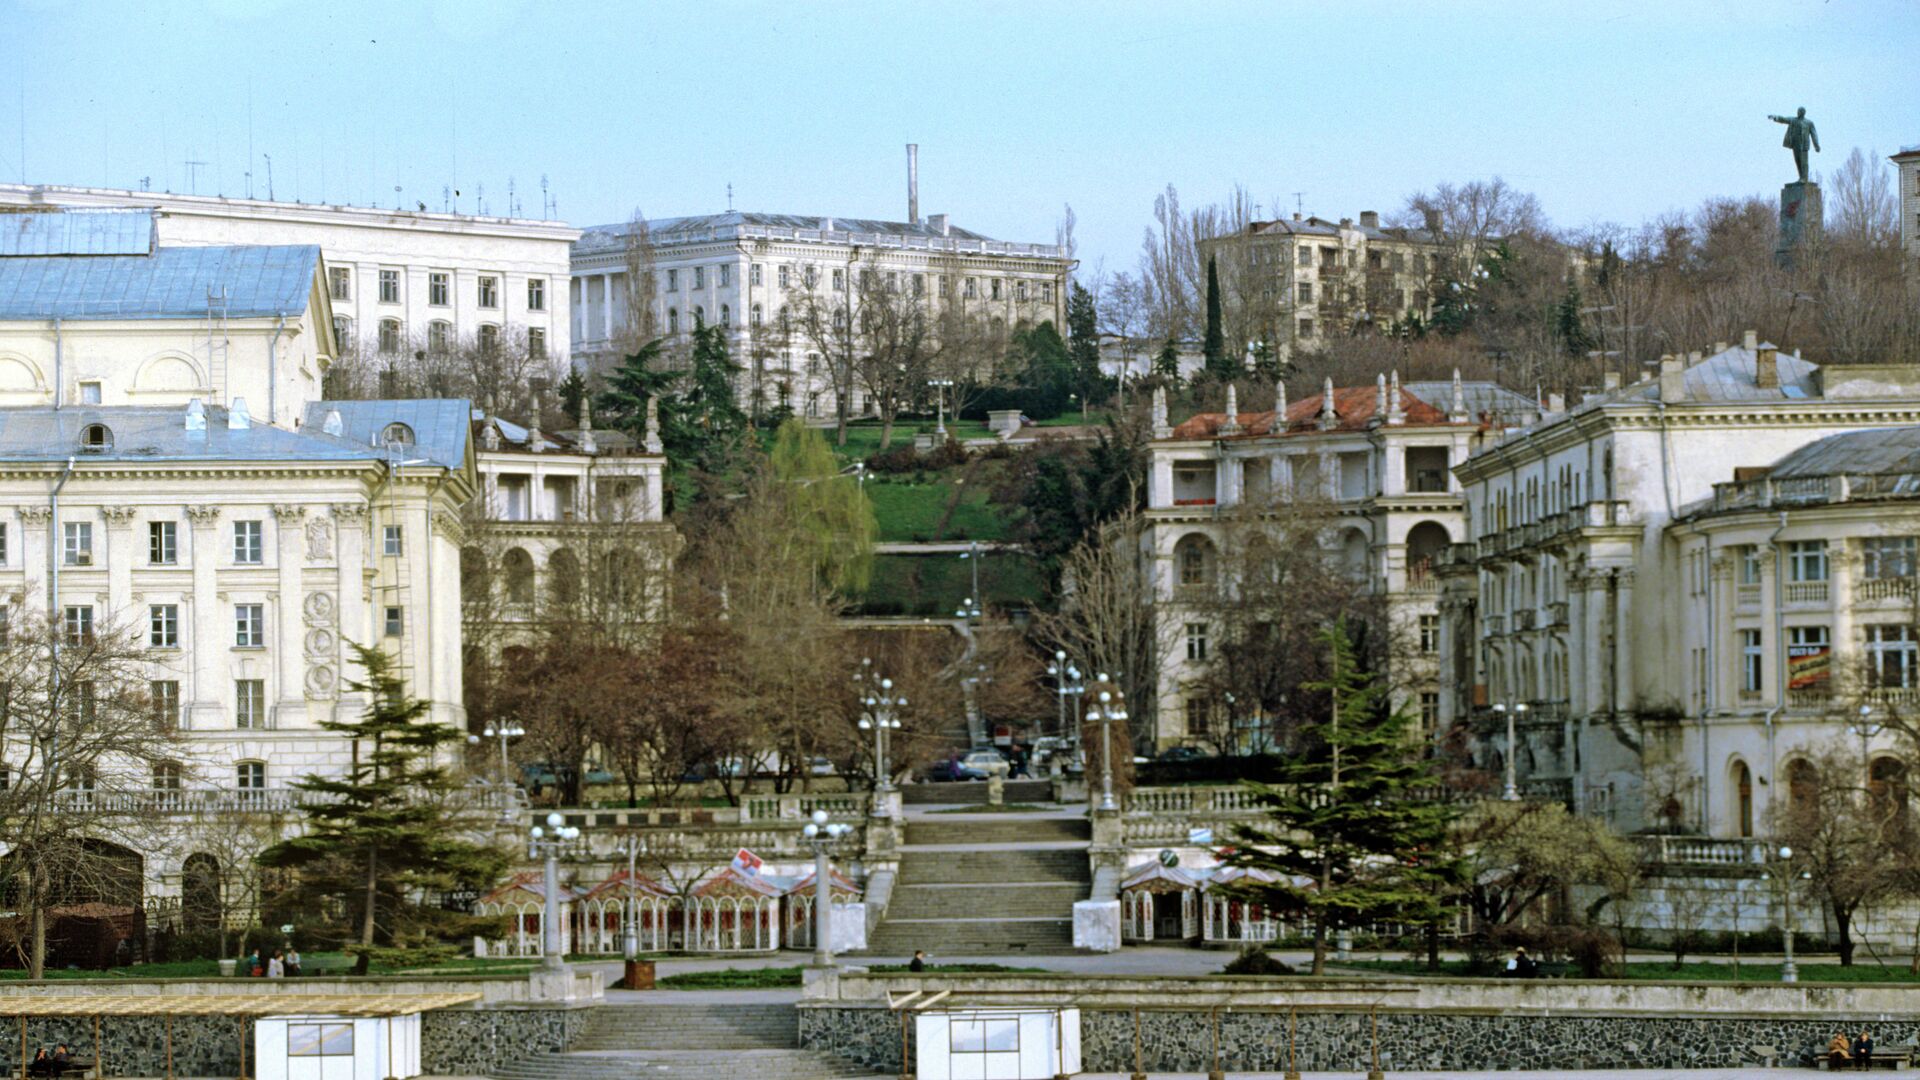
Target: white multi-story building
point(1691, 583)
point(1377, 457)
point(747, 272)
point(1908, 163)
point(398, 280)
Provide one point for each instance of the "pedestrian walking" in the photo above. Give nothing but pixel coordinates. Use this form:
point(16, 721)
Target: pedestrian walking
point(919, 962)
point(1522, 966)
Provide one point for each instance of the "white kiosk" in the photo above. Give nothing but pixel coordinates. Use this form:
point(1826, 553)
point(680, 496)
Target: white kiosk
point(988, 1043)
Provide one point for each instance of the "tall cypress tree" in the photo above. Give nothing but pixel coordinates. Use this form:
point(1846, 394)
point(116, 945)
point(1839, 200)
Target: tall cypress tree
point(391, 830)
point(1352, 833)
point(1083, 341)
point(1214, 346)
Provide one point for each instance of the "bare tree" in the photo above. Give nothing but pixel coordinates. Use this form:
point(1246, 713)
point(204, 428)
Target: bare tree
point(637, 254)
point(85, 750)
point(1866, 209)
point(1845, 841)
point(1101, 621)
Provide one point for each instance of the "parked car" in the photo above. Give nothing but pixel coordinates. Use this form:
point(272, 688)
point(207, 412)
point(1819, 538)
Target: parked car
point(820, 766)
point(950, 770)
point(983, 758)
point(1181, 753)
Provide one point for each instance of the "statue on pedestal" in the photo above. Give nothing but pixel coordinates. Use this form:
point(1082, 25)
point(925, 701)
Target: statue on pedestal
point(1800, 135)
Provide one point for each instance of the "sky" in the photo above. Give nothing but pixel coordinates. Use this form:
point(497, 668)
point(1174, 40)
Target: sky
point(1607, 110)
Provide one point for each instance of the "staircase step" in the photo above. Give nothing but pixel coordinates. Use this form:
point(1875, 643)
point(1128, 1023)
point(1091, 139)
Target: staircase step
point(1002, 829)
point(994, 867)
point(974, 793)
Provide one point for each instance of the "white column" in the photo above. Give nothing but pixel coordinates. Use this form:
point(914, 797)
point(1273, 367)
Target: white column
point(606, 306)
point(36, 543)
point(207, 708)
point(1623, 641)
point(290, 708)
point(351, 532)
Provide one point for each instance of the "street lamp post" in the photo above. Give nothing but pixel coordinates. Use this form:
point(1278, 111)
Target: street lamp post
point(821, 837)
point(1067, 682)
point(630, 928)
point(1789, 972)
point(502, 732)
point(546, 843)
point(1512, 792)
point(1112, 706)
point(970, 609)
point(881, 715)
point(1866, 729)
point(940, 396)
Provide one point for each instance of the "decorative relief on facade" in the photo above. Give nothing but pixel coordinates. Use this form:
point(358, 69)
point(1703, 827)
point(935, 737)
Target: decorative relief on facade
point(119, 515)
point(319, 540)
point(322, 645)
point(36, 515)
point(288, 512)
point(203, 515)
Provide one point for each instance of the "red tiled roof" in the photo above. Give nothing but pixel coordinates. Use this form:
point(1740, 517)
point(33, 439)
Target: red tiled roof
point(1353, 406)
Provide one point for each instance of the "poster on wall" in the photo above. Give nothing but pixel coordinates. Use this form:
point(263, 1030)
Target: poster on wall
point(1808, 666)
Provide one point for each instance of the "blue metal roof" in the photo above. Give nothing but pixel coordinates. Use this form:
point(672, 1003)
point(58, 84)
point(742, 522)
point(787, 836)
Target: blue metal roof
point(77, 232)
point(159, 433)
point(439, 425)
point(171, 283)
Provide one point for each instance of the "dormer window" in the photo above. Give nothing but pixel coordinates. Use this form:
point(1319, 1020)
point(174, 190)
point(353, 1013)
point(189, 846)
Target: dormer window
point(96, 439)
point(397, 435)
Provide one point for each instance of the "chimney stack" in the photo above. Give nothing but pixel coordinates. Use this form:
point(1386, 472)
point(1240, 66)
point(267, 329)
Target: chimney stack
point(1369, 219)
point(913, 183)
point(1432, 218)
point(1328, 416)
point(1766, 367)
point(1232, 426)
point(1750, 341)
point(1673, 378)
point(1556, 403)
point(938, 222)
point(1395, 414)
point(1610, 380)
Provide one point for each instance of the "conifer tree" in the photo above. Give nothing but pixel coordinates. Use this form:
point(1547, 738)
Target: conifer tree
point(1167, 364)
point(1352, 832)
point(1213, 348)
point(1083, 341)
point(393, 829)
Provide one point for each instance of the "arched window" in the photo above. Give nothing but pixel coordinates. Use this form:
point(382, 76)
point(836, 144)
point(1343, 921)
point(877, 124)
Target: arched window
point(476, 583)
point(1194, 561)
point(439, 336)
point(389, 335)
point(1887, 790)
point(1425, 542)
point(200, 893)
point(625, 579)
point(699, 315)
point(342, 335)
point(563, 577)
point(1743, 799)
point(517, 567)
point(1354, 555)
point(396, 434)
point(1803, 785)
point(753, 315)
point(96, 439)
point(673, 320)
point(726, 315)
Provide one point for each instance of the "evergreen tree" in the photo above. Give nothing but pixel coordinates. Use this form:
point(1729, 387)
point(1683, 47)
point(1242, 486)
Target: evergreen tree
point(709, 396)
point(1047, 375)
point(389, 832)
point(1167, 364)
point(573, 391)
point(1214, 346)
point(1083, 342)
point(1349, 816)
point(1571, 327)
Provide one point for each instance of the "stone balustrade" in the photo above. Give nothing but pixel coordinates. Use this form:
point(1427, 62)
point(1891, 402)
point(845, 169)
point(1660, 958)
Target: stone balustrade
point(241, 800)
point(1702, 851)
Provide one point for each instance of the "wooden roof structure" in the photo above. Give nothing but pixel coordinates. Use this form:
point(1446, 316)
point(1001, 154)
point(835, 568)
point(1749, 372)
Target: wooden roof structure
point(239, 1004)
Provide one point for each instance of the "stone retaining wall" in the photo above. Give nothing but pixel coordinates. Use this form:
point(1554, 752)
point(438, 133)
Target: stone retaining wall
point(453, 1042)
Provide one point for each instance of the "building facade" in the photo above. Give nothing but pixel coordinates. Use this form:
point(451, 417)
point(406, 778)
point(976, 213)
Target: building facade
point(753, 274)
point(1672, 578)
point(398, 281)
point(1376, 461)
point(1907, 162)
point(1293, 281)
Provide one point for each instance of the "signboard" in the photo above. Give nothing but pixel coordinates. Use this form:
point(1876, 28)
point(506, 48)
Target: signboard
point(1200, 837)
point(1808, 666)
point(748, 863)
point(1002, 735)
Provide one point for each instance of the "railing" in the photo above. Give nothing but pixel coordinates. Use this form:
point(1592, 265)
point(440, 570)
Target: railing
point(1746, 596)
point(237, 800)
point(1548, 789)
point(1546, 712)
point(1495, 624)
point(867, 239)
point(1806, 592)
point(1702, 851)
point(795, 807)
point(1895, 695)
point(1809, 698)
point(1557, 613)
point(1462, 554)
point(1801, 490)
point(1201, 800)
point(1887, 588)
point(1524, 619)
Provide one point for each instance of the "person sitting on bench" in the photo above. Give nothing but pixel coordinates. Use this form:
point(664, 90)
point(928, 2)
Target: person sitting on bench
point(1839, 1053)
point(42, 1064)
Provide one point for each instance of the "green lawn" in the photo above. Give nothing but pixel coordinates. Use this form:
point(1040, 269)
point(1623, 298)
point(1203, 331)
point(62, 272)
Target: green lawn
point(933, 585)
point(959, 508)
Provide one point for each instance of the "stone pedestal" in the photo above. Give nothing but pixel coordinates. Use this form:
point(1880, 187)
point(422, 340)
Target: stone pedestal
point(1096, 925)
point(1801, 215)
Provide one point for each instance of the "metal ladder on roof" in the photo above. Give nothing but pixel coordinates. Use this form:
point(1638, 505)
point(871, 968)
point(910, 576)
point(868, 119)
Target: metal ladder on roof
point(215, 328)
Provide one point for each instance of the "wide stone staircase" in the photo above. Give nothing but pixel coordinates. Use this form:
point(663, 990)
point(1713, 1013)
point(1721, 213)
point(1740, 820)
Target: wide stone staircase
point(685, 1042)
point(974, 793)
point(1000, 885)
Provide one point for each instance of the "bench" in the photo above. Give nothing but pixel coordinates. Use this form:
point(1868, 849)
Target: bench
point(74, 1067)
point(1884, 1057)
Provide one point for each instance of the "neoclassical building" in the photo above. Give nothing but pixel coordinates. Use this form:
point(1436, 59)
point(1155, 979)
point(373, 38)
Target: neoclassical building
point(1690, 582)
point(397, 280)
point(752, 273)
point(1377, 458)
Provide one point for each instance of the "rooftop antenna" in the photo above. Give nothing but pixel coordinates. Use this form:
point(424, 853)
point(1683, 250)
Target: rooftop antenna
point(512, 210)
point(146, 183)
point(1299, 202)
point(396, 196)
point(193, 175)
point(729, 196)
point(269, 158)
point(480, 200)
point(249, 136)
point(446, 198)
point(545, 207)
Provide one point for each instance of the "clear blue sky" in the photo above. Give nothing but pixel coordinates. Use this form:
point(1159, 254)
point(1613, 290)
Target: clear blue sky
point(1608, 110)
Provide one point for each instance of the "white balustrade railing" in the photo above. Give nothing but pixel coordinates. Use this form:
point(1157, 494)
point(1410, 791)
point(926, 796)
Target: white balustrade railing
point(1703, 851)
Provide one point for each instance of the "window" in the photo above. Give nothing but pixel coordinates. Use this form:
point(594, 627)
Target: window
point(993, 289)
point(394, 622)
point(1429, 633)
point(249, 706)
point(1752, 658)
point(489, 336)
point(342, 279)
point(673, 320)
point(699, 315)
point(1194, 557)
point(164, 695)
point(1199, 716)
point(1749, 565)
point(536, 343)
point(726, 274)
point(812, 276)
point(1046, 291)
point(79, 543)
point(439, 336)
point(699, 277)
point(726, 315)
point(536, 294)
point(1888, 556)
point(673, 280)
point(839, 281)
point(246, 542)
point(1306, 255)
point(439, 288)
point(342, 334)
point(919, 284)
point(252, 776)
point(970, 289)
point(389, 335)
point(3, 544)
point(753, 274)
point(249, 626)
point(1429, 713)
point(1890, 656)
point(166, 776)
point(786, 277)
point(319, 1040)
point(1306, 328)
point(1306, 292)
point(163, 626)
point(1807, 560)
point(79, 620)
point(753, 315)
point(392, 541)
point(96, 439)
point(389, 286)
point(1197, 641)
point(489, 291)
point(1020, 290)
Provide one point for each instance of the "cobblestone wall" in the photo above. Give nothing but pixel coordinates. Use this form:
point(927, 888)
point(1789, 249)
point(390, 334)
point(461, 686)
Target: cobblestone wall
point(454, 1042)
point(1176, 1041)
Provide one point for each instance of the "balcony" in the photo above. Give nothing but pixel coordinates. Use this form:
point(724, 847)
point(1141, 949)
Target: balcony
point(1809, 698)
point(1524, 619)
point(1495, 624)
point(1557, 789)
point(1868, 590)
point(1806, 592)
point(1746, 597)
point(1901, 696)
point(1557, 614)
point(1702, 851)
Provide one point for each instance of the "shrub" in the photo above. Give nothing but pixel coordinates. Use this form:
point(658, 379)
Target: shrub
point(901, 459)
point(1255, 960)
point(948, 455)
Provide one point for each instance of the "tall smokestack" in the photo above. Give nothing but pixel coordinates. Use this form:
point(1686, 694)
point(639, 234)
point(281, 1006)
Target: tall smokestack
point(913, 183)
